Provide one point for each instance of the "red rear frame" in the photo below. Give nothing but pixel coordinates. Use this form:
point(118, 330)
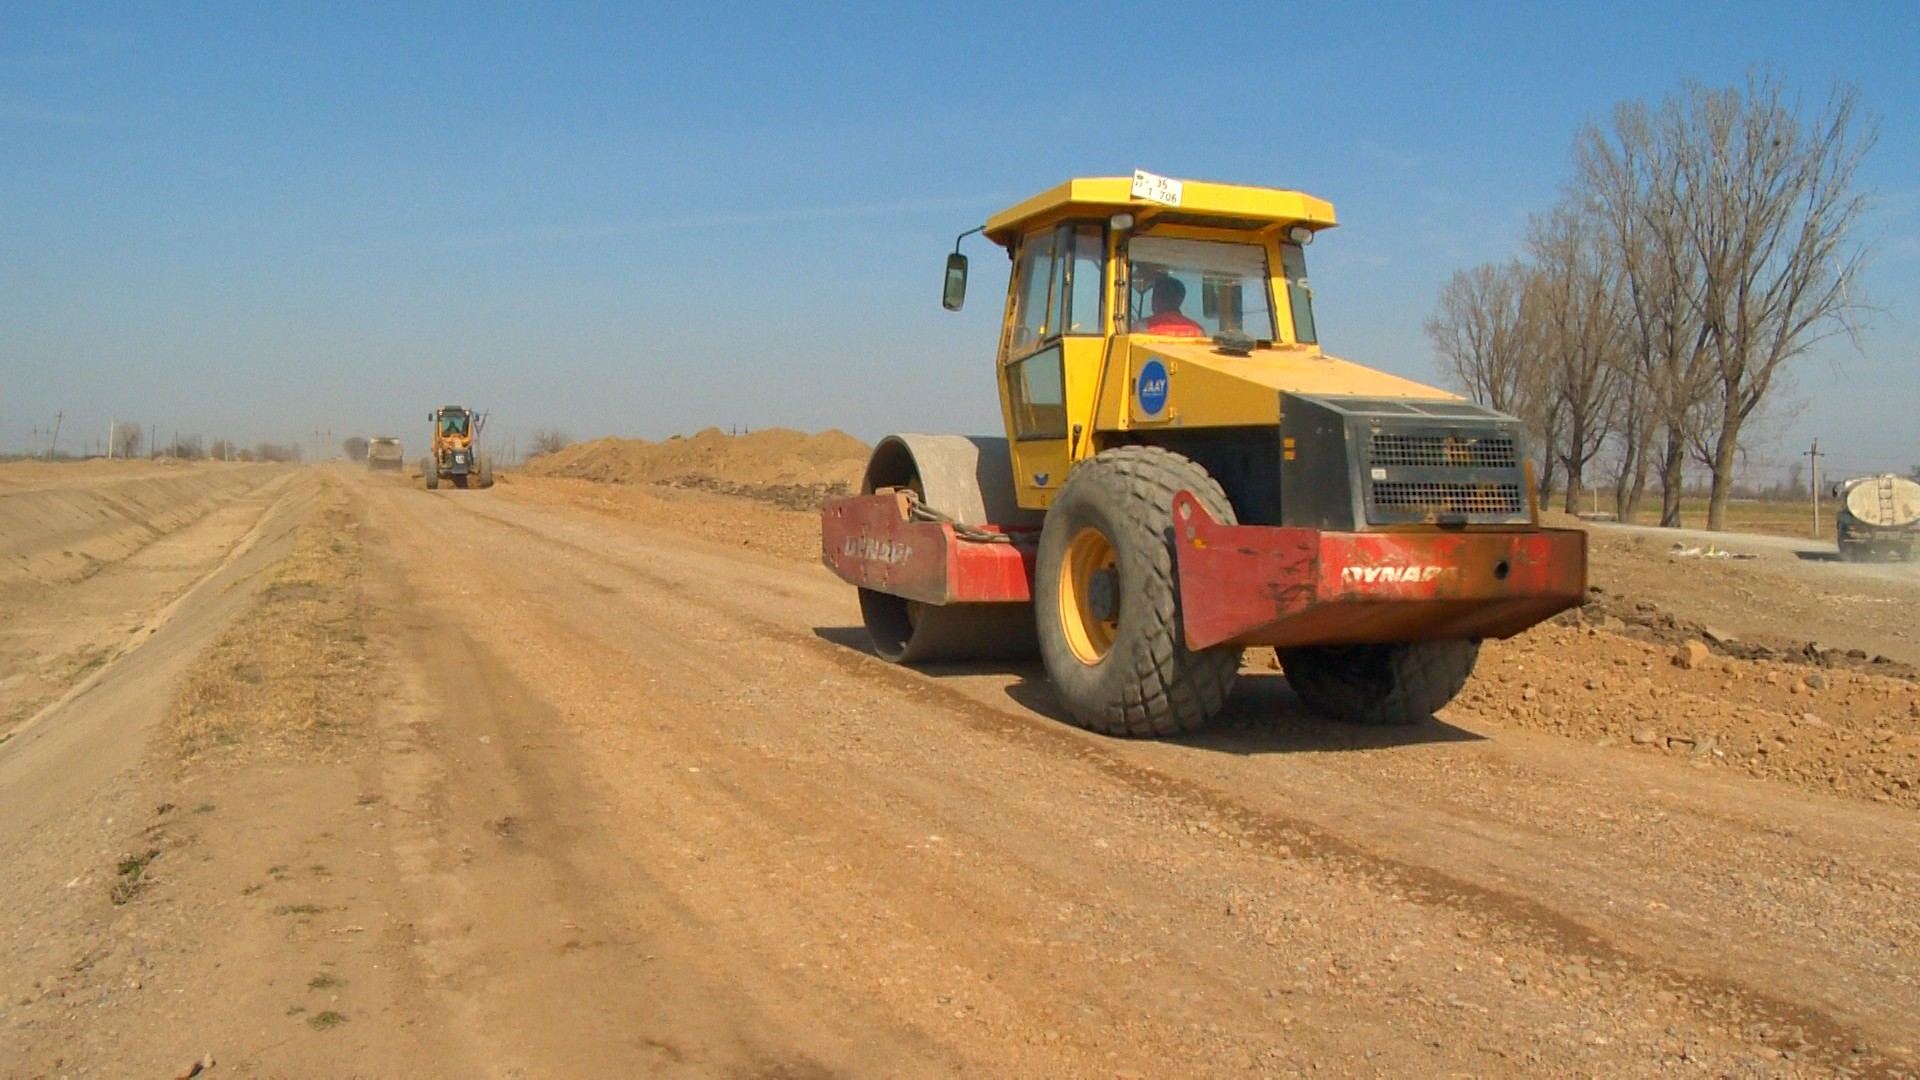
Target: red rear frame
point(871, 541)
point(1247, 584)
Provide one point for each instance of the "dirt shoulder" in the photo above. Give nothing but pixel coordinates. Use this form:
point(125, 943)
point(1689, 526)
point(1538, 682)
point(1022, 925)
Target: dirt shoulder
point(242, 918)
point(85, 572)
point(82, 795)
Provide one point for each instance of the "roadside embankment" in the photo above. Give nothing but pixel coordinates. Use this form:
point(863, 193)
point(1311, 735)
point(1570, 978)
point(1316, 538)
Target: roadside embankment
point(52, 533)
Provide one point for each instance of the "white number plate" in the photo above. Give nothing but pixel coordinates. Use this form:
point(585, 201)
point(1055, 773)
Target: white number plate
point(1160, 189)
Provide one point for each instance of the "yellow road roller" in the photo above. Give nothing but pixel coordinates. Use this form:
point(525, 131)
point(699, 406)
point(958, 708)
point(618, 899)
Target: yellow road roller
point(1185, 472)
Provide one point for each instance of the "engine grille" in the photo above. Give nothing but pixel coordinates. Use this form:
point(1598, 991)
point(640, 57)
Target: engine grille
point(1449, 497)
point(1442, 451)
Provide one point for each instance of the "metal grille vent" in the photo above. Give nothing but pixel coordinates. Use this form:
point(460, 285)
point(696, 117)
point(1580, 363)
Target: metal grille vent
point(1443, 451)
point(1448, 497)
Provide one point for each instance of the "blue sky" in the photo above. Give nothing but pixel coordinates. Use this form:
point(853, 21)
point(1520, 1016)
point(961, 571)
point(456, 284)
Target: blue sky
point(244, 221)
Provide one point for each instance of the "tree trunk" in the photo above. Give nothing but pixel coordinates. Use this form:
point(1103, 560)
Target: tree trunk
point(1673, 461)
point(1725, 453)
point(1636, 494)
point(1570, 457)
point(1547, 468)
point(1632, 486)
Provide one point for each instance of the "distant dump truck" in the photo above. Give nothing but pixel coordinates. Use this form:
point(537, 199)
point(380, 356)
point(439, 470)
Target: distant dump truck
point(1879, 517)
point(384, 454)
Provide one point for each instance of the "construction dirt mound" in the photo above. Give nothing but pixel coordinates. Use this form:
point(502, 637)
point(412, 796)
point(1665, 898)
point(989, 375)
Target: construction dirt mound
point(777, 464)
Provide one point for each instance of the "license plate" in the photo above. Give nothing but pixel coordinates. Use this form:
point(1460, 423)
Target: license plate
point(1158, 189)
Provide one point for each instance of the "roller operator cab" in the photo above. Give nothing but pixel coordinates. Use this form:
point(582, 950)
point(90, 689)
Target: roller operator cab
point(453, 454)
point(1185, 472)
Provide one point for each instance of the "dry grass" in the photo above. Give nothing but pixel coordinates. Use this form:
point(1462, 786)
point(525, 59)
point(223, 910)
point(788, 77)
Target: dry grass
point(1773, 517)
point(294, 670)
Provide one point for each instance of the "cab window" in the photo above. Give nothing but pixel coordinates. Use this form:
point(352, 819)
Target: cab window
point(1198, 288)
point(1299, 295)
point(1035, 293)
point(1086, 312)
point(1057, 286)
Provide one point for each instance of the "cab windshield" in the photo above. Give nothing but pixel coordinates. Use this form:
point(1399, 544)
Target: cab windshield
point(1198, 288)
point(453, 424)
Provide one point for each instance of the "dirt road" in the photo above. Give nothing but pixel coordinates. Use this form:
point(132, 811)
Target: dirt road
point(632, 798)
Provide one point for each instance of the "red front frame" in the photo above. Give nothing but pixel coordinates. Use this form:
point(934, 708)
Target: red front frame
point(1247, 584)
point(1268, 585)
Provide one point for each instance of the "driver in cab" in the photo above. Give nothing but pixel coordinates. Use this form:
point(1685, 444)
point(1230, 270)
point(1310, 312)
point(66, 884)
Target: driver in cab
point(1164, 315)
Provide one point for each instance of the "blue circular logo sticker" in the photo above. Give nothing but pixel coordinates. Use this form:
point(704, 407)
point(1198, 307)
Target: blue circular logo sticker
point(1151, 389)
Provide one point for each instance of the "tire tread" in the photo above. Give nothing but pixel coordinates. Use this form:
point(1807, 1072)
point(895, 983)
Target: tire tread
point(1171, 689)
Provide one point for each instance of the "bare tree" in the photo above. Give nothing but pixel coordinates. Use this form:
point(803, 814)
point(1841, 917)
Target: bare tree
point(1478, 333)
point(1629, 176)
point(222, 450)
point(547, 441)
point(1573, 303)
point(128, 440)
point(1771, 207)
point(1488, 350)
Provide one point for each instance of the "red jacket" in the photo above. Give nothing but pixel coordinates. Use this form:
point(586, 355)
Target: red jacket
point(1174, 324)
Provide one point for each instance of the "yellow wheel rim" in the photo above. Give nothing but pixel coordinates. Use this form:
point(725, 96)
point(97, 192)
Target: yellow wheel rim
point(1089, 630)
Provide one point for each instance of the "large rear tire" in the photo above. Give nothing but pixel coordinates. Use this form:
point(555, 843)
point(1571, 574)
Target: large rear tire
point(1380, 684)
point(1107, 598)
point(486, 472)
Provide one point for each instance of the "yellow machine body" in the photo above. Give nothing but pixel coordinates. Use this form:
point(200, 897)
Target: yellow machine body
point(1074, 381)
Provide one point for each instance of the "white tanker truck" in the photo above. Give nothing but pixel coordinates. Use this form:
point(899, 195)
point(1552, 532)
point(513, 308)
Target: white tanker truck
point(1879, 517)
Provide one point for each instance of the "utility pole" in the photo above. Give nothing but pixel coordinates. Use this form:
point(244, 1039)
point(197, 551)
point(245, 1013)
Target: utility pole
point(1814, 454)
point(54, 442)
point(112, 429)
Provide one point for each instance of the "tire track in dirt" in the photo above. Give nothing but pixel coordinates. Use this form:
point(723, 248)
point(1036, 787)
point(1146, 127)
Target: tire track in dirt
point(520, 898)
point(1820, 1037)
point(1807, 1031)
point(758, 821)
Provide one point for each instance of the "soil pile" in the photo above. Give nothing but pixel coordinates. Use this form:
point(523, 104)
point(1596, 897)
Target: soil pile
point(777, 464)
point(1849, 729)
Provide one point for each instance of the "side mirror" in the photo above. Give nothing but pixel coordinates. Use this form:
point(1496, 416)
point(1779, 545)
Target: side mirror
point(955, 292)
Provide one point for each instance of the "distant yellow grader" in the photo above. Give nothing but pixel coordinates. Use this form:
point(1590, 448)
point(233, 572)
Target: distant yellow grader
point(1185, 472)
point(453, 455)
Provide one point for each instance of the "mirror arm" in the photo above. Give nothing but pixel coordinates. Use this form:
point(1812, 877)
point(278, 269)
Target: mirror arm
point(964, 235)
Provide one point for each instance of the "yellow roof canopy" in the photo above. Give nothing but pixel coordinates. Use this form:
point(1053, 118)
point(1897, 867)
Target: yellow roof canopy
point(1232, 205)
